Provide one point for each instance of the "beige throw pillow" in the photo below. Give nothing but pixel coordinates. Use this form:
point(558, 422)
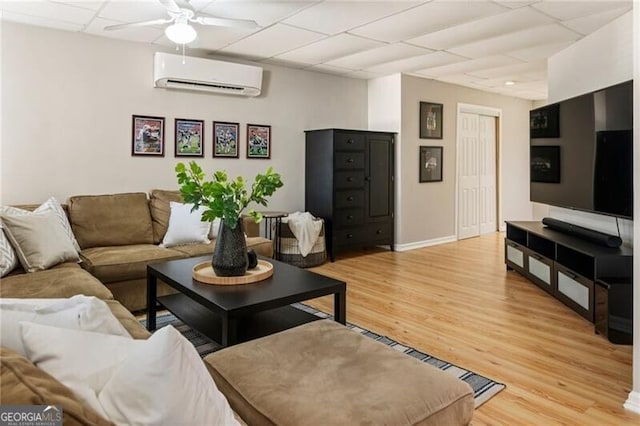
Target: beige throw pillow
point(8, 258)
point(40, 240)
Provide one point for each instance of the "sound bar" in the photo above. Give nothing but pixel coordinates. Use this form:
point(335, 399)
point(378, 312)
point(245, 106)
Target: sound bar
point(584, 233)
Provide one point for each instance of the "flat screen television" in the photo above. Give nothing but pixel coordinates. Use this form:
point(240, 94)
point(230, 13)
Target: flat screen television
point(581, 153)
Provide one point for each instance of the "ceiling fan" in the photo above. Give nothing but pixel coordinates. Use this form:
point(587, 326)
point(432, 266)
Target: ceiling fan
point(180, 31)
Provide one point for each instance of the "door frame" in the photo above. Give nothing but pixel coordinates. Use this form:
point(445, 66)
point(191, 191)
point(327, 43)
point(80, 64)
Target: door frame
point(492, 112)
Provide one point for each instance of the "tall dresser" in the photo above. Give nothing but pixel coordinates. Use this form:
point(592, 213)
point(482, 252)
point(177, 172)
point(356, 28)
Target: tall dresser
point(349, 183)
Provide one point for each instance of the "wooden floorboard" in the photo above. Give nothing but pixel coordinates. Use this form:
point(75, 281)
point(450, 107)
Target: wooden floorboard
point(457, 302)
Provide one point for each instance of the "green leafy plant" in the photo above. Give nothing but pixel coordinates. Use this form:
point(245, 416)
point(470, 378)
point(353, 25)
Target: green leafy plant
point(225, 198)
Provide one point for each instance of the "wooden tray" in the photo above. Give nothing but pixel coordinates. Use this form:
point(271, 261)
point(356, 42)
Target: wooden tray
point(203, 272)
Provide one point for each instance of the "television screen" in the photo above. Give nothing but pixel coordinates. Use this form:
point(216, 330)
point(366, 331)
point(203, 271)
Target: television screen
point(586, 162)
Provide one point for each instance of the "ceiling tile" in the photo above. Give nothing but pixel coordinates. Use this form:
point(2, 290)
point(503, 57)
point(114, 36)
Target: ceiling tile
point(542, 51)
point(133, 11)
point(423, 19)
point(565, 10)
point(514, 41)
point(363, 75)
point(468, 66)
point(329, 69)
point(49, 11)
point(272, 41)
point(509, 69)
point(85, 4)
point(265, 13)
point(388, 53)
point(588, 24)
point(337, 16)
point(514, 4)
point(462, 80)
point(198, 5)
point(430, 60)
point(41, 22)
point(285, 63)
point(328, 49)
point(500, 82)
point(141, 34)
point(511, 21)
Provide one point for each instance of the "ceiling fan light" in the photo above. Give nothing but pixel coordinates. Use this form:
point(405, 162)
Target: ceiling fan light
point(180, 33)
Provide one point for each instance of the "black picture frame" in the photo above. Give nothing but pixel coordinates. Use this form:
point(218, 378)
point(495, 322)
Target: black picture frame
point(545, 122)
point(147, 136)
point(226, 139)
point(259, 141)
point(545, 163)
point(430, 120)
point(430, 164)
point(189, 138)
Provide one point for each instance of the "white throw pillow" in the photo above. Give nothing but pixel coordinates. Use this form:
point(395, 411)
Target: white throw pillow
point(39, 240)
point(215, 228)
point(79, 313)
point(164, 382)
point(8, 257)
point(50, 205)
point(159, 381)
point(84, 361)
point(185, 226)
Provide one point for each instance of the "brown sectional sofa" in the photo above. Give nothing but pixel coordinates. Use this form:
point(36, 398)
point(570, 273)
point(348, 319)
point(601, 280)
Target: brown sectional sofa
point(119, 235)
point(316, 373)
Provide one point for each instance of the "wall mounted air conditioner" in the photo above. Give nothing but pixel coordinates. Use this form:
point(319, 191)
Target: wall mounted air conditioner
point(205, 75)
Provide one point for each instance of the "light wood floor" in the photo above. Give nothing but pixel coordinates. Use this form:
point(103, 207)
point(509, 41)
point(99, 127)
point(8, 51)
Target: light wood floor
point(457, 302)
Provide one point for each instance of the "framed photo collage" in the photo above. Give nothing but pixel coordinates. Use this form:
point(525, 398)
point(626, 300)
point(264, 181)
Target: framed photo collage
point(148, 138)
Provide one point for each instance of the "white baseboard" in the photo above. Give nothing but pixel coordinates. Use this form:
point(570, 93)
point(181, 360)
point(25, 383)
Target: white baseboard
point(633, 402)
point(425, 243)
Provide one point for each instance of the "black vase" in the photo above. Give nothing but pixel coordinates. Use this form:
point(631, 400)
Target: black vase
point(230, 253)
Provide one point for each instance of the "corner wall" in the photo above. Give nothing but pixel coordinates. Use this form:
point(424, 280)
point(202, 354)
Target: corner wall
point(428, 209)
point(68, 98)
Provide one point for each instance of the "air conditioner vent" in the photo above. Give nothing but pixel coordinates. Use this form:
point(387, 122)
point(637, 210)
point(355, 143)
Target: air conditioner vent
point(171, 72)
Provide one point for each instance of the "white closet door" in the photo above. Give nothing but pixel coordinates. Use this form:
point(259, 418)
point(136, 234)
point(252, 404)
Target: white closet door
point(487, 174)
point(468, 176)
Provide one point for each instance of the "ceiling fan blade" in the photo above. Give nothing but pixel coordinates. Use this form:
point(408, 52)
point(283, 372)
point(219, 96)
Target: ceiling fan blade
point(171, 5)
point(224, 22)
point(138, 24)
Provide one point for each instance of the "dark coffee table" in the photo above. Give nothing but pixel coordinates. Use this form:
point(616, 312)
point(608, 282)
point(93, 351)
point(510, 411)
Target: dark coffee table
point(237, 313)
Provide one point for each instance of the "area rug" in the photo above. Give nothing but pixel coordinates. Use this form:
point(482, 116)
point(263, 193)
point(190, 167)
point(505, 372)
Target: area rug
point(483, 387)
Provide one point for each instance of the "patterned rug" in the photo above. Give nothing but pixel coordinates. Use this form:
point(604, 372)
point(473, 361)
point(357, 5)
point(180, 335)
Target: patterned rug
point(483, 387)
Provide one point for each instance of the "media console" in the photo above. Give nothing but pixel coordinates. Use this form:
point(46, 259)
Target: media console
point(566, 266)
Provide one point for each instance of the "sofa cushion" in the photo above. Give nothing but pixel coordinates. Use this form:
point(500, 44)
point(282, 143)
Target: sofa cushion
point(39, 240)
point(111, 220)
point(25, 384)
point(262, 246)
point(293, 376)
point(61, 282)
point(159, 200)
point(119, 263)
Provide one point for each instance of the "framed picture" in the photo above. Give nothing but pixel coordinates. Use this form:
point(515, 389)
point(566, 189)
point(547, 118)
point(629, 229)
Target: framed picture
point(147, 136)
point(430, 120)
point(545, 164)
point(189, 138)
point(430, 164)
point(545, 122)
point(225, 139)
point(258, 141)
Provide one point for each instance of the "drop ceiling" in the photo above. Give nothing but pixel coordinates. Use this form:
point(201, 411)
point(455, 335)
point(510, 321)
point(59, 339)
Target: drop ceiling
point(478, 43)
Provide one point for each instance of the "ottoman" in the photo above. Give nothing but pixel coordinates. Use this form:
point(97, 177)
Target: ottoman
point(322, 373)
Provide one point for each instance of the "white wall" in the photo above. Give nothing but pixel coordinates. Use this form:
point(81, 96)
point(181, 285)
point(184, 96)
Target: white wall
point(601, 59)
point(68, 99)
point(428, 209)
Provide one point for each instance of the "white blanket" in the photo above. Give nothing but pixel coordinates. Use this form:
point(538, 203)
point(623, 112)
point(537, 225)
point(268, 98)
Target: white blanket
point(306, 229)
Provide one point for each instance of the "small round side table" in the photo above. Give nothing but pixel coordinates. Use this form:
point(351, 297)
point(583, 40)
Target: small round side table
point(270, 218)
